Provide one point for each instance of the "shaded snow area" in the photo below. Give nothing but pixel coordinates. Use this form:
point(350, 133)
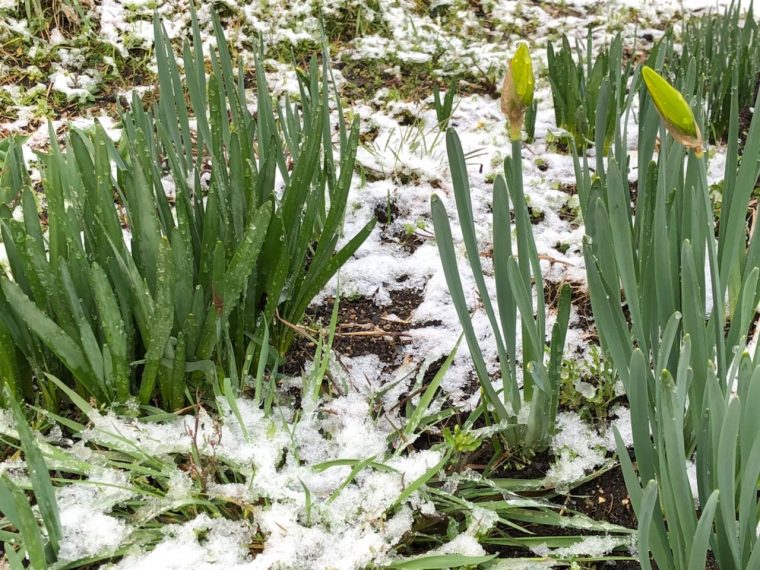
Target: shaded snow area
point(305, 507)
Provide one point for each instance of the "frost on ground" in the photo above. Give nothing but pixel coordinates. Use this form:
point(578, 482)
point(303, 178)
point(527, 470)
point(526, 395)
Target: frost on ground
point(200, 543)
point(291, 534)
point(83, 54)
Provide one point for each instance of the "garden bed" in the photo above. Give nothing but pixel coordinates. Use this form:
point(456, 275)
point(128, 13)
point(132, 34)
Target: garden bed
point(323, 472)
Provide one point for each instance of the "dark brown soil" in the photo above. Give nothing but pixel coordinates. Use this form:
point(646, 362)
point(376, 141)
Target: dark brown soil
point(301, 351)
point(409, 241)
point(606, 499)
point(363, 328)
point(386, 212)
point(603, 499)
point(579, 298)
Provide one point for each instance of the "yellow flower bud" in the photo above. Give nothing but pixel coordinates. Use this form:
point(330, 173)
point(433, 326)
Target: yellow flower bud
point(517, 89)
point(674, 110)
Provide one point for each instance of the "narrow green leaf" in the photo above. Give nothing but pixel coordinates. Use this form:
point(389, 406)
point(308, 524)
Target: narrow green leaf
point(52, 335)
point(27, 525)
point(646, 511)
point(418, 483)
point(435, 561)
point(445, 243)
point(698, 554)
point(161, 321)
point(726, 476)
point(39, 476)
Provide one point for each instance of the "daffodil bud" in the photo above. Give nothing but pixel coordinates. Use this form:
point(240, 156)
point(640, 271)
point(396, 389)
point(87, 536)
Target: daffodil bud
point(674, 110)
point(517, 90)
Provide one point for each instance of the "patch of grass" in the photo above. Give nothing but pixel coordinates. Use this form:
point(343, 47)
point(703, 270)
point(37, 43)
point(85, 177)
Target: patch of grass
point(69, 17)
point(355, 19)
point(32, 60)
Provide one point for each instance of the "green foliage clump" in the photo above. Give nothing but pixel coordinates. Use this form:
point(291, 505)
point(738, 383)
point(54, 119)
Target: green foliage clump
point(679, 350)
point(713, 48)
point(588, 388)
point(518, 275)
point(576, 88)
point(131, 295)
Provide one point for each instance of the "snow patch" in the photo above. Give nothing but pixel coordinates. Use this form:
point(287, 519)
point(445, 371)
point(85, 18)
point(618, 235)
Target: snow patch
point(578, 449)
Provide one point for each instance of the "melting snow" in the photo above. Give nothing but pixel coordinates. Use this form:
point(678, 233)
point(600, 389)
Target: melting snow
point(88, 529)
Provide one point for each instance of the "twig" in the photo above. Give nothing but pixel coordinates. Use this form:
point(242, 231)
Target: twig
point(552, 259)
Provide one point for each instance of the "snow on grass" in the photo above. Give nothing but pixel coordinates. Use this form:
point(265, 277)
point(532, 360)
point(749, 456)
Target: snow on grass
point(303, 513)
point(294, 545)
point(466, 543)
point(74, 86)
point(463, 544)
point(88, 529)
point(591, 546)
point(444, 39)
point(202, 544)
